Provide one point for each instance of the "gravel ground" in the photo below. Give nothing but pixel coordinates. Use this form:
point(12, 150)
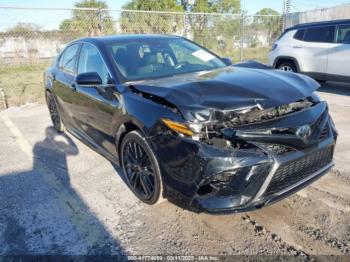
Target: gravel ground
point(57, 196)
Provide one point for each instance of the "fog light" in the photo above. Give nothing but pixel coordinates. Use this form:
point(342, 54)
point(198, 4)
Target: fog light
point(205, 190)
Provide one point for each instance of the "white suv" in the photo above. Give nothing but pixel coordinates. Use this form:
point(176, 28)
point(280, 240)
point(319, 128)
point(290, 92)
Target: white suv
point(320, 50)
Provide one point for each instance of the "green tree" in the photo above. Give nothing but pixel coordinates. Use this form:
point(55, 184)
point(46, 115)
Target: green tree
point(212, 31)
point(173, 23)
point(154, 5)
point(89, 22)
point(205, 29)
point(268, 20)
point(137, 22)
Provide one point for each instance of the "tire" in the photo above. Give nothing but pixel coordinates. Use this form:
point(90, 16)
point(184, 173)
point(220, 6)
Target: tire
point(54, 113)
point(287, 66)
point(141, 168)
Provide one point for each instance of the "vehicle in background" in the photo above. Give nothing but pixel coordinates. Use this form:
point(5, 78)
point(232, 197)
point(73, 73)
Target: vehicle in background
point(320, 50)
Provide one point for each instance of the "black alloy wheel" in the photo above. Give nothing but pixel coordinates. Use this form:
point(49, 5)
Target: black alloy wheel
point(141, 168)
point(54, 114)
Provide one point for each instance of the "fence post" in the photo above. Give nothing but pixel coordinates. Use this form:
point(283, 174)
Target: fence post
point(242, 37)
point(100, 21)
point(185, 25)
point(3, 100)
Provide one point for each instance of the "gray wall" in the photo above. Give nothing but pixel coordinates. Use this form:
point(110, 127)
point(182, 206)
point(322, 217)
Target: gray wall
point(332, 13)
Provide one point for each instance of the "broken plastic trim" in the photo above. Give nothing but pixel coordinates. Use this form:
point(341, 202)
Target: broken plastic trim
point(255, 115)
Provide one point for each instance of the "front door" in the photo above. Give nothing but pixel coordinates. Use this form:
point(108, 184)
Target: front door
point(97, 104)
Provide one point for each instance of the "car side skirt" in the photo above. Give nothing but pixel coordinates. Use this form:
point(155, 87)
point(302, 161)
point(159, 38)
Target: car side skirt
point(327, 77)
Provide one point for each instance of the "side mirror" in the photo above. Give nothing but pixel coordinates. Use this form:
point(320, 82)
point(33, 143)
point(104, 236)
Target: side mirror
point(227, 61)
point(88, 79)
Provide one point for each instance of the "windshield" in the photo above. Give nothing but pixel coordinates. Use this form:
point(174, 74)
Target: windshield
point(153, 58)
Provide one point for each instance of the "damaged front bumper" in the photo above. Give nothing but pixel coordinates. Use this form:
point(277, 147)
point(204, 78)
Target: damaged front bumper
point(208, 178)
point(288, 175)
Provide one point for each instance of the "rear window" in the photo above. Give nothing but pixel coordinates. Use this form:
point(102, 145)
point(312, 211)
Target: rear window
point(320, 34)
point(299, 35)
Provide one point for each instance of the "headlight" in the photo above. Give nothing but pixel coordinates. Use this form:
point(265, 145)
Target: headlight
point(186, 129)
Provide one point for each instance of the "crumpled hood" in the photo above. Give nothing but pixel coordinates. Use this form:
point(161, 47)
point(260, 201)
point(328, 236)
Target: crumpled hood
point(229, 88)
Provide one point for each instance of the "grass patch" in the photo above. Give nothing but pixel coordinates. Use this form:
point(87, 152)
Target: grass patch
point(260, 54)
point(23, 83)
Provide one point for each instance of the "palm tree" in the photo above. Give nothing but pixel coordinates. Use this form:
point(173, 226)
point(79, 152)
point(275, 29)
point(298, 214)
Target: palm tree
point(91, 22)
point(269, 20)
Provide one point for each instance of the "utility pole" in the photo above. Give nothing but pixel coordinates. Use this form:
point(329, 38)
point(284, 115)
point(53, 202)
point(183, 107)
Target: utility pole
point(286, 10)
point(242, 7)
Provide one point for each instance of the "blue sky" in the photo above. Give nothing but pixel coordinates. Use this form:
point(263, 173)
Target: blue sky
point(51, 19)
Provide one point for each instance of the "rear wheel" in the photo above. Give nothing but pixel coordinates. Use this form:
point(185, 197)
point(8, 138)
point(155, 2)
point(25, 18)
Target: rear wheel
point(141, 168)
point(54, 113)
point(287, 66)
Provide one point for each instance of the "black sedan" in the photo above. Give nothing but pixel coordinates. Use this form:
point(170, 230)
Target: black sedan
point(187, 126)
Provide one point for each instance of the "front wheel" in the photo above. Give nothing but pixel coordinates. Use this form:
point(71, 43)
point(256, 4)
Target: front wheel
point(141, 168)
point(287, 67)
point(54, 113)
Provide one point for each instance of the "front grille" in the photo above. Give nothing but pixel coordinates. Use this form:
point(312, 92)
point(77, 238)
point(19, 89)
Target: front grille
point(292, 172)
point(279, 149)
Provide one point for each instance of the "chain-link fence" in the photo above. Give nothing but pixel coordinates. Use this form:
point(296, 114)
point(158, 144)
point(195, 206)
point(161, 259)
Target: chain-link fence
point(31, 37)
point(30, 34)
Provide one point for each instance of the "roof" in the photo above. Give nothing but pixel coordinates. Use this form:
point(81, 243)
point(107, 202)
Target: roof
point(322, 23)
point(123, 37)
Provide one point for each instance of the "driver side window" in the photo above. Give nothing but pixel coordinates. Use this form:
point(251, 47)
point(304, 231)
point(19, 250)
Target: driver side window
point(90, 60)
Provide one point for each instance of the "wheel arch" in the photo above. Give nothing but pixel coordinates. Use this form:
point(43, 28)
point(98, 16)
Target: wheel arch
point(126, 127)
point(281, 59)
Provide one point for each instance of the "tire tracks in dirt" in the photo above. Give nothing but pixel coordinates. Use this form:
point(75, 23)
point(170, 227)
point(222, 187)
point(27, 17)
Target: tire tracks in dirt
point(290, 248)
point(315, 221)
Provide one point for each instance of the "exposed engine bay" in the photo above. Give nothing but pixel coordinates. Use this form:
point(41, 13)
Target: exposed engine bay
point(221, 133)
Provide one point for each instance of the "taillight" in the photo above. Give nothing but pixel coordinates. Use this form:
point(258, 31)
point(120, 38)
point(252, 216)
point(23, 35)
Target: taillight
point(274, 46)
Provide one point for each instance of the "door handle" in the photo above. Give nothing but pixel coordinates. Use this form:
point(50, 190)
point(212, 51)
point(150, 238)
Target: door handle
point(297, 46)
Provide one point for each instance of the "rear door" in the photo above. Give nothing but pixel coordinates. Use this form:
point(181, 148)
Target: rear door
point(315, 49)
point(339, 56)
point(63, 84)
